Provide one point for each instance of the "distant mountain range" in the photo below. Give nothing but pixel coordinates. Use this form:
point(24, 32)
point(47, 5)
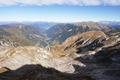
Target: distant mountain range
point(43, 33)
point(61, 32)
point(44, 25)
point(113, 24)
point(22, 34)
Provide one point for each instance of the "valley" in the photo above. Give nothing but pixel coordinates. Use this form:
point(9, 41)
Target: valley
point(60, 51)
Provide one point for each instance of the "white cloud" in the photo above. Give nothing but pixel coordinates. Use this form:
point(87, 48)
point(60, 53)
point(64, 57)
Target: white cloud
point(112, 2)
point(60, 2)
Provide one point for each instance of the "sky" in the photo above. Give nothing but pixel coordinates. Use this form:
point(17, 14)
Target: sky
point(59, 10)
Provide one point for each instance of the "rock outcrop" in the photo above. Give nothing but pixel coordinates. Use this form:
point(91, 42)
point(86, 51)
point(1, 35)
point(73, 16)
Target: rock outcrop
point(14, 58)
point(92, 46)
point(99, 52)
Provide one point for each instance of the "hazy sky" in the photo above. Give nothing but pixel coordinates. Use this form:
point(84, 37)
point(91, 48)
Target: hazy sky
point(60, 10)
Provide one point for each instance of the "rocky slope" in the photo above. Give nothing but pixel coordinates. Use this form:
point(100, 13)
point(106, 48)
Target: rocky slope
point(88, 53)
point(101, 57)
point(14, 58)
point(88, 56)
point(82, 42)
point(99, 52)
point(92, 43)
point(22, 62)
